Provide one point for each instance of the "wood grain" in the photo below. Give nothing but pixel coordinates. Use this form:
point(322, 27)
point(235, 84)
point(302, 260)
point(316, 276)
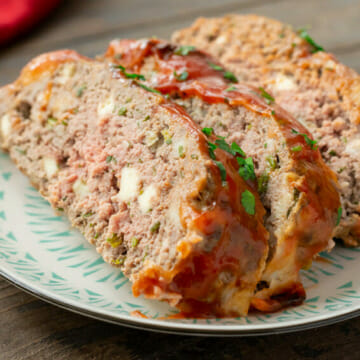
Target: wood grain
point(33, 329)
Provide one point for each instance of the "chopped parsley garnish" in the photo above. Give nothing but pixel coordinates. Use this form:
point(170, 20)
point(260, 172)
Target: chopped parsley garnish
point(339, 214)
point(110, 159)
point(184, 50)
point(263, 183)
point(147, 88)
point(181, 77)
point(231, 88)
point(296, 148)
point(268, 98)
point(311, 143)
point(246, 169)
point(230, 76)
point(130, 75)
point(122, 111)
point(305, 35)
point(114, 240)
point(222, 170)
point(223, 145)
point(155, 228)
point(215, 66)
point(80, 90)
point(208, 131)
point(332, 153)
point(181, 151)
point(212, 147)
point(237, 149)
point(248, 202)
point(134, 241)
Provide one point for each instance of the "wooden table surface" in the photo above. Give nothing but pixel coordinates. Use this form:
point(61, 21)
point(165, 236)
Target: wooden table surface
point(33, 329)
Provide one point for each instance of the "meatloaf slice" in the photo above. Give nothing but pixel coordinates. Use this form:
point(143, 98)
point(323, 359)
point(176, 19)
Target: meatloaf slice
point(134, 173)
point(297, 188)
point(311, 84)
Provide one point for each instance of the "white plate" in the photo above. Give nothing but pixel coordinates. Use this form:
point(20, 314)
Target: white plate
point(40, 253)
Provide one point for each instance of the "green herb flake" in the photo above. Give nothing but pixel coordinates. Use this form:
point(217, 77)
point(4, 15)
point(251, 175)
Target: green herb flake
point(273, 112)
point(208, 131)
point(263, 183)
point(60, 209)
point(230, 76)
point(341, 170)
point(155, 228)
point(184, 50)
point(96, 236)
point(305, 35)
point(147, 117)
point(21, 151)
point(271, 160)
point(265, 146)
point(222, 170)
point(268, 98)
point(248, 202)
point(181, 151)
point(114, 240)
point(147, 88)
point(212, 147)
point(311, 143)
point(119, 261)
point(231, 88)
point(80, 91)
point(339, 214)
point(215, 66)
point(296, 148)
point(130, 75)
point(223, 145)
point(246, 169)
point(194, 157)
point(122, 111)
point(134, 242)
point(236, 149)
point(88, 214)
point(110, 159)
point(332, 153)
point(181, 77)
point(65, 123)
point(52, 121)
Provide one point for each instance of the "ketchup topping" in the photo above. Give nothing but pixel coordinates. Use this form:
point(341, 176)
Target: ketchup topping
point(196, 74)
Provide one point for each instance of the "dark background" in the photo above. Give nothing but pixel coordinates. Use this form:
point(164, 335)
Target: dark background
point(33, 329)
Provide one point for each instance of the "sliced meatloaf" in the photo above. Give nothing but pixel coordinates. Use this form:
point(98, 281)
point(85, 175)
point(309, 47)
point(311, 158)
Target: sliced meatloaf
point(311, 84)
point(134, 173)
point(297, 188)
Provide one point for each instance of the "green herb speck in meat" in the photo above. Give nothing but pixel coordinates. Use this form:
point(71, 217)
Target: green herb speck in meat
point(339, 214)
point(155, 228)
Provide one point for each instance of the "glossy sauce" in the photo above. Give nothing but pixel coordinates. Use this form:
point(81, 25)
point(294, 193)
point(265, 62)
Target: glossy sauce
point(317, 219)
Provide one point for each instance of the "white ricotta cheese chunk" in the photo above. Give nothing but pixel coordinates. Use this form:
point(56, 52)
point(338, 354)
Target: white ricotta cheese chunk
point(50, 166)
point(129, 184)
point(148, 198)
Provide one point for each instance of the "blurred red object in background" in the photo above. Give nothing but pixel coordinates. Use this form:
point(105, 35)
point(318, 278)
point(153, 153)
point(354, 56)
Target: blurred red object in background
point(17, 16)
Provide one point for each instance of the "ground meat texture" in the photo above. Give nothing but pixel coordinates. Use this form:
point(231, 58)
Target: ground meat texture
point(319, 91)
point(297, 188)
point(133, 172)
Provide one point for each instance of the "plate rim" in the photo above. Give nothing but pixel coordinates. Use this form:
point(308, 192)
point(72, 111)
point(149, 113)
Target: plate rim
point(171, 327)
